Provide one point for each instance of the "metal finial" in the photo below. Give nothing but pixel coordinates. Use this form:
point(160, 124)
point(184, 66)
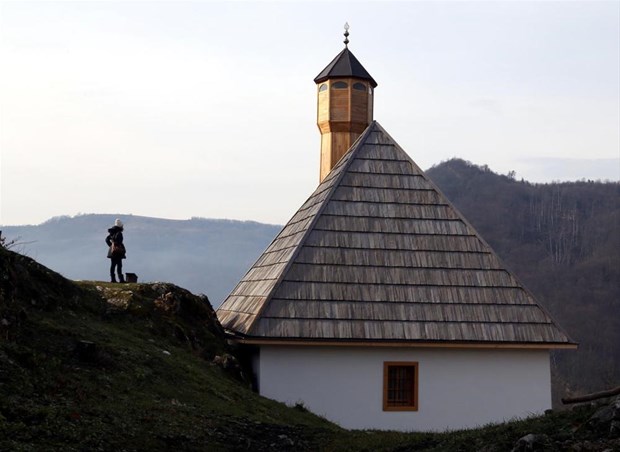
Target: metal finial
point(346, 34)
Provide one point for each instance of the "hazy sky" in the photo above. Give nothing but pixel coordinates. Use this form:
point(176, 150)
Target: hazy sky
point(208, 109)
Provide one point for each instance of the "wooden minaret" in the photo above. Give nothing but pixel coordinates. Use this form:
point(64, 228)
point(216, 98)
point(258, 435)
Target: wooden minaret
point(344, 105)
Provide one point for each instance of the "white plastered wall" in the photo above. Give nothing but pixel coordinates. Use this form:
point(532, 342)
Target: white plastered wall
point(458, 388)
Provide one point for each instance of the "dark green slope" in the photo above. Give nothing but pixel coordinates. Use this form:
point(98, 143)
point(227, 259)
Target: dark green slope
point(97, 366)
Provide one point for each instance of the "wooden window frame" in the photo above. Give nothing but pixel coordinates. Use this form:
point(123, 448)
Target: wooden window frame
point(386, 405)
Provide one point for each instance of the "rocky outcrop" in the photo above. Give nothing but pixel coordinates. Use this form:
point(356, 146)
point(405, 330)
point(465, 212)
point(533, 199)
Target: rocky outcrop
point(532, 442)
point(600, 433)
point(171, 310)
point(606, 420)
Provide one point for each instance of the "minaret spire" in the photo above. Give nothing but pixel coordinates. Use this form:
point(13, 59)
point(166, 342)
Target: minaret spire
point(344, 105)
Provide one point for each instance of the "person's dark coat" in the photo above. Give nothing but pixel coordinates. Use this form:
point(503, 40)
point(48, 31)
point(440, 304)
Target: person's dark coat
point(115, 235)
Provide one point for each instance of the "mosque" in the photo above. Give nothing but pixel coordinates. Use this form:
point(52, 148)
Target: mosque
point(378, 305)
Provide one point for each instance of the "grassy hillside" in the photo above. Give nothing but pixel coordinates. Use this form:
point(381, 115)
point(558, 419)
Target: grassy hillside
point(99, 366)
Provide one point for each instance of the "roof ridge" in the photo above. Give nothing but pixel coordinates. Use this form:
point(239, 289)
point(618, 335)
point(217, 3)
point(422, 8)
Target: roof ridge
point(341, 166)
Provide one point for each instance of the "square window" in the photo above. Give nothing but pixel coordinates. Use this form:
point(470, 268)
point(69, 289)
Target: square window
point(400, 386)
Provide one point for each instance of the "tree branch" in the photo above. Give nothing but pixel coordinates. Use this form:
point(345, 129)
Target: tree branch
point(593, 396)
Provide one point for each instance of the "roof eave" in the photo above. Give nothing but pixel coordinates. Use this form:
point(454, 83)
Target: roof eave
point(253, 340)
point(337, 77)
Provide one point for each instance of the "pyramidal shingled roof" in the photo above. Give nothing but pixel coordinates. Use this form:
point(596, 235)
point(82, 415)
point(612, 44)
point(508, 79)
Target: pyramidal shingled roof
point(345, 65)
point(377, 253)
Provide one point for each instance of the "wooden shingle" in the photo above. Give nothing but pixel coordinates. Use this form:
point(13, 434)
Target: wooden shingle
point(377, 253)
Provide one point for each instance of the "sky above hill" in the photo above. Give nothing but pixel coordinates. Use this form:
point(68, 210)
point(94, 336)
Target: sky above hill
point(208, 109)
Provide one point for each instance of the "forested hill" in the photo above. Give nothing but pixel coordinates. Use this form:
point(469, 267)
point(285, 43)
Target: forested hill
point(562, 240)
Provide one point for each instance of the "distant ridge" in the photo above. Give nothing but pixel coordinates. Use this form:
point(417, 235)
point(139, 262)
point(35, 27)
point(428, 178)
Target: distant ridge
point(204, 255)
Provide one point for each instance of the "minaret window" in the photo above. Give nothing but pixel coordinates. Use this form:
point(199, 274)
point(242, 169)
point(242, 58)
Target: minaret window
point(359, 86)
point(340, 85)
point(323, 87)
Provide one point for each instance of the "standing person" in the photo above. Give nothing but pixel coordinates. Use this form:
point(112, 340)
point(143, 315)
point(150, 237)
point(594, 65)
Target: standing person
point(117, 252)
